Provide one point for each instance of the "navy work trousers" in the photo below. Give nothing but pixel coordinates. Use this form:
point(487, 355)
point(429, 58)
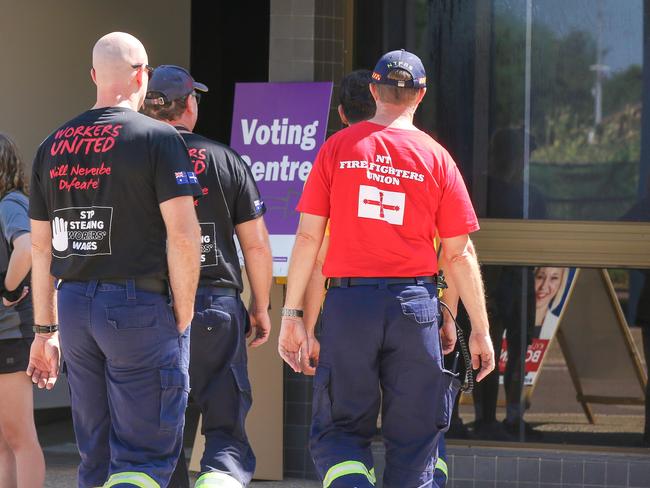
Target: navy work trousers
point(221, 388)
point(380, 338)
point(127, 368)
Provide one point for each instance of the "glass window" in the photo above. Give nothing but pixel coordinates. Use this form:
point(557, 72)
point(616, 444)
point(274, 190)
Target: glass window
point(539, 102)
point(585, 94)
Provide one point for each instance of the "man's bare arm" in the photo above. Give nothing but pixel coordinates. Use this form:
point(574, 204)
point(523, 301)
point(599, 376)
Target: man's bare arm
point(183, 255)
point(315, 289)
point(303, 257)
point(465, 273)
point(293, 343)
point(42, 280)
point(312, 304)
point(44, 353)
point(450, 294)
point(450, 298)
point(254, 241)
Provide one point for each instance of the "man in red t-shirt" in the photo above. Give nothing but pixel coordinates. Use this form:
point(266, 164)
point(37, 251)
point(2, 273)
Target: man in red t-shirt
point(387, 189)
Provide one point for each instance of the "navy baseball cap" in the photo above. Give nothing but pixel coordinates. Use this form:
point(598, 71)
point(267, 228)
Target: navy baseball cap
point(400, 59)
point(169, 83)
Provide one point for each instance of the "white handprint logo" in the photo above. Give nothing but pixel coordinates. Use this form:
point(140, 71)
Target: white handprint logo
point(59, 234)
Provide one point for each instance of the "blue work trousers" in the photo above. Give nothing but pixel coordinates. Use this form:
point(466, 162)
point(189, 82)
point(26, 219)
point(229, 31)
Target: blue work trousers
point(220, 384)
point(127, 368)
point(380, 344)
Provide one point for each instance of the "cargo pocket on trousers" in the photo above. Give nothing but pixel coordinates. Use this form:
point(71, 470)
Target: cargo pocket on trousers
point(423, 309)
point(322, 400)
point(449, 387)
point(210, 319)
point(132, 317)
point(240, 372)
point(174, 385)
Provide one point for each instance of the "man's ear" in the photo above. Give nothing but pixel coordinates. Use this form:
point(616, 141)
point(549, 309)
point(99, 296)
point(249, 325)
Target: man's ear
point(421, 94)
point(139, 76)
point(373, 91)
point(192, 108)
point(93, 75)
point(342, 115)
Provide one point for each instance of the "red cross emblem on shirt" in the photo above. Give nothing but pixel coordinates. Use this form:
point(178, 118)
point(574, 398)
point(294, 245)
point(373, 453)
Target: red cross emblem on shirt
point(381, 204)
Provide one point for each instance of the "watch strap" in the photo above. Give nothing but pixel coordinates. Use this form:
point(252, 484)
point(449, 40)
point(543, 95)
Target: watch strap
point(45, 329)
point(291, 312)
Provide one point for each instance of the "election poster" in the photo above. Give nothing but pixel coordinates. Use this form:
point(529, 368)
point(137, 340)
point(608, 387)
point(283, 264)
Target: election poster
point(551, 288)
point(277, 129)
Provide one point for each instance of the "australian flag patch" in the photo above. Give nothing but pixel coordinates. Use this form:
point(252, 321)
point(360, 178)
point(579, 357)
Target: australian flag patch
point(259, 206)
point(181, 177)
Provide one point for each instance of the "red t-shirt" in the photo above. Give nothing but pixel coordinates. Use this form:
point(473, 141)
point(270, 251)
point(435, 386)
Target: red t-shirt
point(386, 192)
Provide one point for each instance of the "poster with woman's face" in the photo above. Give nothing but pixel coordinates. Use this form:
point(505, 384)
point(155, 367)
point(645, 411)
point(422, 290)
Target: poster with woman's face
point(551, 290)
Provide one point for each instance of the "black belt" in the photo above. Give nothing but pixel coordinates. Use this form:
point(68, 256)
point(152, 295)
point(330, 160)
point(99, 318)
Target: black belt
point(345, 282)
point(217, 290)
point(153, 285)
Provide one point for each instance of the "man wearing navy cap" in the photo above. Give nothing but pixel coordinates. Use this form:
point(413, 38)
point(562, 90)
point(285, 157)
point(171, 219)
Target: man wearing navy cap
point(388, 189)
point(231, 204)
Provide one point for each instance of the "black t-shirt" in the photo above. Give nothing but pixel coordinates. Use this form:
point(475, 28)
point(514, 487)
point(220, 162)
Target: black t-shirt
point(99, 180)
point(230, 197)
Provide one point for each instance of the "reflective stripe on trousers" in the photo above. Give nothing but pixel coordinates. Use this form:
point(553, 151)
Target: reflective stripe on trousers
point(141, 480)
point(217, 480)
point(441, 466)
point(347, 468)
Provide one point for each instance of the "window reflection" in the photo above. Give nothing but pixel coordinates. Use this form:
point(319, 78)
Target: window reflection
point(585, 96)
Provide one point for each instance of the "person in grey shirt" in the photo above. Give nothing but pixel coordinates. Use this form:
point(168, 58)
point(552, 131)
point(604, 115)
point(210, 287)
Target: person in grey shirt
point(21, 458)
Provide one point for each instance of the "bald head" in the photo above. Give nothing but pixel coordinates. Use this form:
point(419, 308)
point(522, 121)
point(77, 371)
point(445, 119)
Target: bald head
point(114, 56)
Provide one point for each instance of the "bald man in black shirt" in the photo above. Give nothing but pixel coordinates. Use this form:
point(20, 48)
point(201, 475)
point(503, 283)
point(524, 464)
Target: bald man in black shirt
point(111, 204)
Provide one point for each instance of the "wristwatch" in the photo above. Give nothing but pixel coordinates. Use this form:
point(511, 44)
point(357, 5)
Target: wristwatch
point(290, 312)
point(45, 329)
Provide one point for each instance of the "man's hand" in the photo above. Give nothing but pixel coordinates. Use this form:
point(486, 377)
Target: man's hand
point(448, 336)
point(44, 361)
point(309, 361)
point(183, 256)
point(7, 303)
point(292, 342)
point(480, 347)
point(261, 324)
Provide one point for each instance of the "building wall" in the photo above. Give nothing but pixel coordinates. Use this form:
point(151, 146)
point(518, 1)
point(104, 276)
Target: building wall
point(307, 43)
point(45, 51)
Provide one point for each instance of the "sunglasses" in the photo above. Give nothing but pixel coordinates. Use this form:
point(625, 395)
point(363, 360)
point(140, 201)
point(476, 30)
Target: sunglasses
point(148, 69)
point(197, 96)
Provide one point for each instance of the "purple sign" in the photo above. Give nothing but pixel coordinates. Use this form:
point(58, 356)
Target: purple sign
point(278, 128)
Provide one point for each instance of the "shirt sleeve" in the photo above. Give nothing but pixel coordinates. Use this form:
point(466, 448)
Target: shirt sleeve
point(37, 199)
point(248, 203)
point(315, 197)
point(174, 174)
point(455, 216)
point(13, 219)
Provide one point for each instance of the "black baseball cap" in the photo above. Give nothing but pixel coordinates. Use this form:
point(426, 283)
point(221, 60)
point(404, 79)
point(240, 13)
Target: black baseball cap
point(400, 59)
point(169, 83)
